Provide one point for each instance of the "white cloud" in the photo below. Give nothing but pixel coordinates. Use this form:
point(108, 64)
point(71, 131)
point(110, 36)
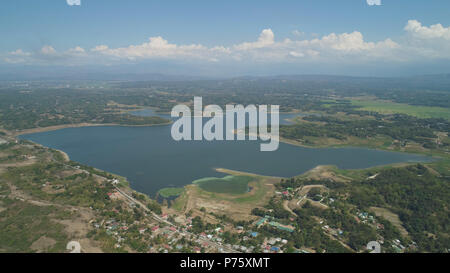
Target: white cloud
point(100, 48)
point(266, 38)
point(19, 52)
point(76, 51)
point(48, 50)
point(415, 28)
point(431, 42)
point(17, 56)
point(351, 42)
point(73, 2)
point(421, 43)
point(157, 47)
point(374, 2)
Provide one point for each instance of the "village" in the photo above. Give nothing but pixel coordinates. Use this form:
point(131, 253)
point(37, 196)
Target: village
point(174, 233)
point(319, 196)
point(135, 227)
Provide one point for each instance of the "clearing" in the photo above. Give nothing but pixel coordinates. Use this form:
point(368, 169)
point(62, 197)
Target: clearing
point(236, 206)
point(391, 217)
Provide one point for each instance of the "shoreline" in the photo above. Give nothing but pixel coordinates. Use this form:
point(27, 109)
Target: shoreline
point(431, 154)
point(129, 187)
point(77, 125)
point(346, 145)
point(237, 173)
point(64, 154)
point(219, 169)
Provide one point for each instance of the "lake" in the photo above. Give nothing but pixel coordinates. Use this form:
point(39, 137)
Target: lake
point(151, 160)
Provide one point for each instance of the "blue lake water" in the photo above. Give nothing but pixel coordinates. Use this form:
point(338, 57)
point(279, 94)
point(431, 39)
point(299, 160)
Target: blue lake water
point(151, 160)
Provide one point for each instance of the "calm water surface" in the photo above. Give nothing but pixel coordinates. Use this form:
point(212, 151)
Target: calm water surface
point(151, 160)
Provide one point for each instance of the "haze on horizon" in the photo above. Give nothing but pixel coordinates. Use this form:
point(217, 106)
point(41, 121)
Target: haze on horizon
point(223, 39)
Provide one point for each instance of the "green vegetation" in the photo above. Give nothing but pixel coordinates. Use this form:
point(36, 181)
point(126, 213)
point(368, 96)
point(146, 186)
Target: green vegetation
point(229, 184)
point(180, 202)
point(170, 192)
point(22, 224)
point(417, 195)
point(386, 107)
point(78, 189)
point(45, 107)
point(393, 131)
point(420, 198)
point(46, 200)
point(408, 114)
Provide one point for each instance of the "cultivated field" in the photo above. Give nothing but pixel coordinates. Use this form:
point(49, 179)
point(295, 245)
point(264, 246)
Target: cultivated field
point(387, 107)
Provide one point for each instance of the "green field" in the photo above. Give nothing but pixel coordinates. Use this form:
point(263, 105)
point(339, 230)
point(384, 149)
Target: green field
point(170, 192)
point(385, 107)
point(229, 184)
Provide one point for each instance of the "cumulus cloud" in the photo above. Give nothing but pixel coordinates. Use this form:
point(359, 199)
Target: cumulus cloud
point(431, 42)
point(415, 28)
point(19, 52)
point(266, 38)
point(76, 51)
point(17, 56)
point(421, 42)
point(264, 48)
point(45, 55)
point(157, 47)
point(352, 42)
point(48, 50)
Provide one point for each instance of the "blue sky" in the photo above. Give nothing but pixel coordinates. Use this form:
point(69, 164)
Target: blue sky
point(52, 33)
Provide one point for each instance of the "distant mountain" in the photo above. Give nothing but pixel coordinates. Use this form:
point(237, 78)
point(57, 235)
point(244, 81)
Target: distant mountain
point(438, 82)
